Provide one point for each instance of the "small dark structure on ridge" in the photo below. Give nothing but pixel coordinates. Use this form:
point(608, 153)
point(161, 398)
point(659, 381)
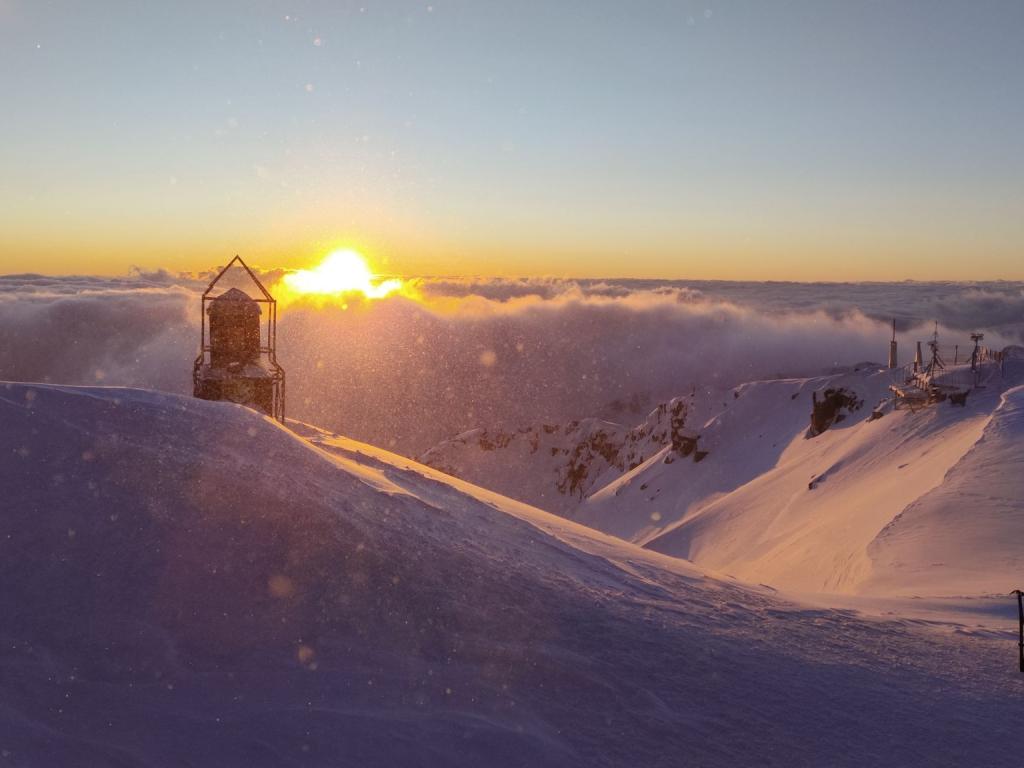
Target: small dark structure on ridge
point(238, 354)
point(1020, 625)
point(893, 349)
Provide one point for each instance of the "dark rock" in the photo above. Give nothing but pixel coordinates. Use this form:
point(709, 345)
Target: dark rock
point(828, 409)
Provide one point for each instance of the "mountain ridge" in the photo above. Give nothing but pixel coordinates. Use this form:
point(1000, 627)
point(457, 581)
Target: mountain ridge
point(786, 464)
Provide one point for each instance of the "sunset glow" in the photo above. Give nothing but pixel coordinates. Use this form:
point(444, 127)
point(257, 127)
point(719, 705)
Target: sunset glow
point(341, 273)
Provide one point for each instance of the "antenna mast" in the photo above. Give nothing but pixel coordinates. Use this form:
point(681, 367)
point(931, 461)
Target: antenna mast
point(893, 358)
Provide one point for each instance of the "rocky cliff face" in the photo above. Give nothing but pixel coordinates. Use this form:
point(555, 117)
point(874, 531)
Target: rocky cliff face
point(557, 465)
point(635, 481)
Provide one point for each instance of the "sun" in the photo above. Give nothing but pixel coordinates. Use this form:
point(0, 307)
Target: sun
point(341, 272)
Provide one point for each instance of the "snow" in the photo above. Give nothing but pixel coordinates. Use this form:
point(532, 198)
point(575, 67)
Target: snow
point(553, 465)
point(910, 501)
point(743, 430)
point(744, 439)
point(188, 582)
point(964, 535)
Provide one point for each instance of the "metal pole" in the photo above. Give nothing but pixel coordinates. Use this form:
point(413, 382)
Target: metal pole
point(1020, 620)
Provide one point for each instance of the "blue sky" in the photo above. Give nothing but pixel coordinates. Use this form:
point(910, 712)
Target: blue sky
point(796, 140)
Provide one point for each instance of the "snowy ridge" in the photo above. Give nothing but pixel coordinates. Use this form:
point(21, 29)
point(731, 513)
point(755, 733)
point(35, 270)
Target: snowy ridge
point(967, 531)
point(774, 502)
point(744, 439)
point(187, 582)
point(591, 471)
point(556, 466)
point(867, 506)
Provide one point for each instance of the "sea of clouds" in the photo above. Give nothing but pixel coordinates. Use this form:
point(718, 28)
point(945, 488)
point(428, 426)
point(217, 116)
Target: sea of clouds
point(406, 373)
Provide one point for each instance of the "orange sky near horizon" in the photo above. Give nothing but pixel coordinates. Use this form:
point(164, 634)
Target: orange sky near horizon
point(703, 256)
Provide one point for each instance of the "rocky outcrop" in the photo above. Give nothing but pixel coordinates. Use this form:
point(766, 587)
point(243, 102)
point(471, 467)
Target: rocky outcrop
point(831, 408)
point(576, 453)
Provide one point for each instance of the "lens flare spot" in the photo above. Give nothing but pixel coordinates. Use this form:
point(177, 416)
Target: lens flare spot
point(306, 656)
point(280, 586)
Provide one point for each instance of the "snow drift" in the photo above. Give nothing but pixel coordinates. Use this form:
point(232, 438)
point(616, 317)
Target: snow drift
point(186, 582)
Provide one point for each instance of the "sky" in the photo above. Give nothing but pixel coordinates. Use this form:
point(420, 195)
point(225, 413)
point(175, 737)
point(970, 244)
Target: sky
point(779, 140)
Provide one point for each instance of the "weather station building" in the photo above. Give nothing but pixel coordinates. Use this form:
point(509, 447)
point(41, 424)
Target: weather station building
point(237, 360)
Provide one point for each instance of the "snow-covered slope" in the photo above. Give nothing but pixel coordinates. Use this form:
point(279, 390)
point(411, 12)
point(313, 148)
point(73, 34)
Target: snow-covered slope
point(855, 508)
point(588, 470)
point(555, 466)
point(744, 438)
point(876, 505)
point(188, 583)
point(966, 535)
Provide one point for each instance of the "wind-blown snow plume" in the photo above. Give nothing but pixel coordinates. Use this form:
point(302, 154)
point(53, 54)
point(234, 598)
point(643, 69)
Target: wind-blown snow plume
point(407, 373)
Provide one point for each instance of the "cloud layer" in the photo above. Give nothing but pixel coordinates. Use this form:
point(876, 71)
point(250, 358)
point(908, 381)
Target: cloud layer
point(407, 373)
